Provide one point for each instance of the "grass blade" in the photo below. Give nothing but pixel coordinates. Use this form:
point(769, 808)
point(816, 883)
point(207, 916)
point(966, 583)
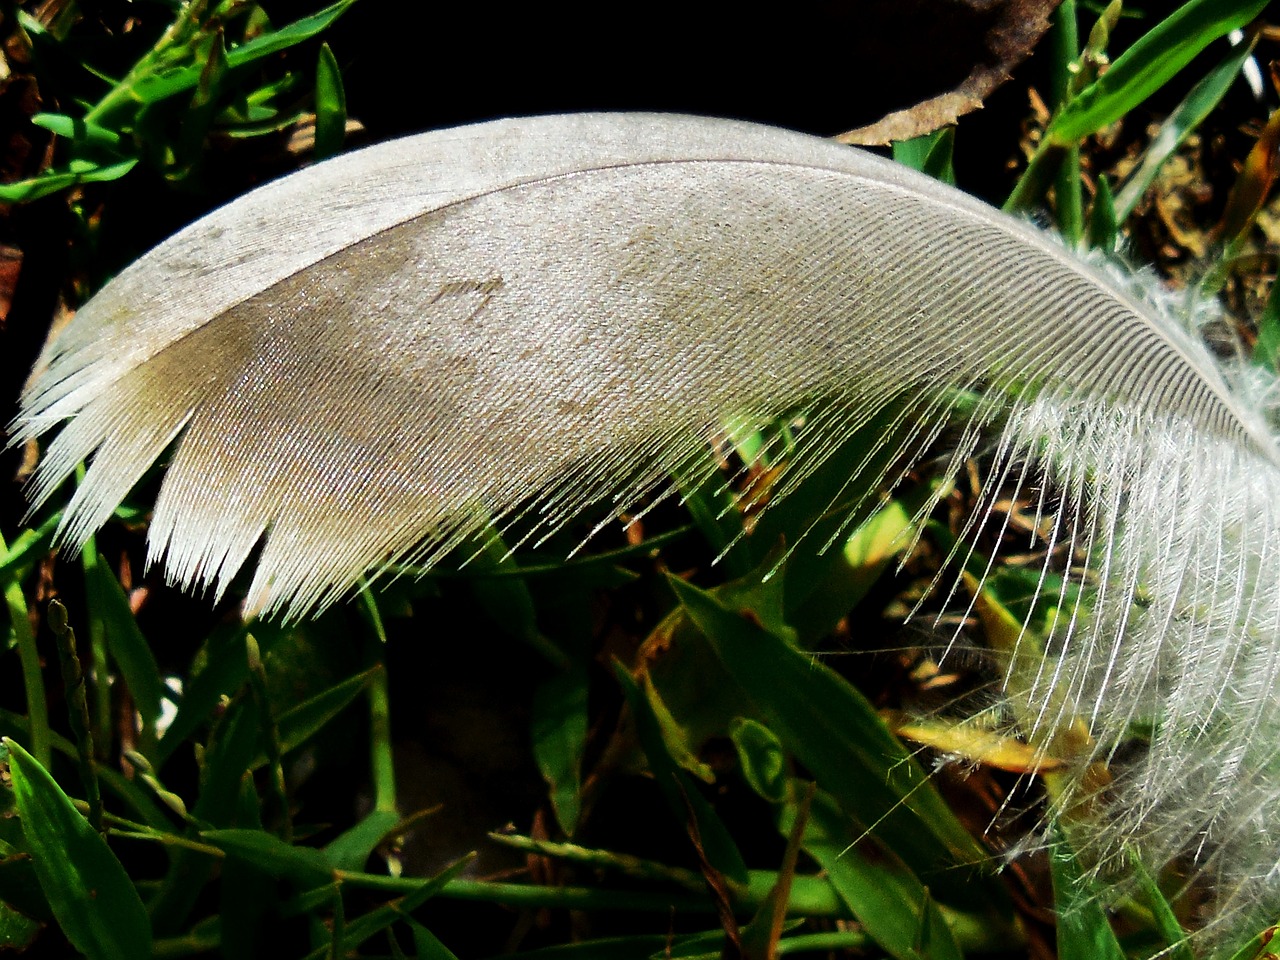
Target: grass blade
point(1186, 117)
point(305, 866)
point(331, 105)
point(838, 736)
point(560, 727)
point(88, 890)
point(678, 788)
point(1148, 65)
point(886, 897)
point(1083, 930)
point(125, 642)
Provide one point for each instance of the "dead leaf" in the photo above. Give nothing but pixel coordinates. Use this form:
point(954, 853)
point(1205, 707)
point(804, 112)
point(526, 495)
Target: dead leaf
point(990, 38)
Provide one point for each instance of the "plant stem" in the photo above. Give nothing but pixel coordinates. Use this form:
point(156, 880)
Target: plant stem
point(77, 710)
point(276, 791)
point(381, 761)
point(40, 737)
point(1067, 190)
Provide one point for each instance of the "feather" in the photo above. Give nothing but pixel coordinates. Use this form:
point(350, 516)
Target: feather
point(372, 360)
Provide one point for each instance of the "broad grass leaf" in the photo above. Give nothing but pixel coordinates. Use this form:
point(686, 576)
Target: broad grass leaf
point(883, 893)
point(352, 848)
point(305, 866)
point(679, 790)
point(17, 930)
point(830, 728)
point(853, 570)
point(90, 893)
point(247, 896)
point(19, 886)
point(762, 759)
point(299, 724)
point(560, 725)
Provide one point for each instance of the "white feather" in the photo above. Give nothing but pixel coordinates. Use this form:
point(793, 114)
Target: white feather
point(374, 358)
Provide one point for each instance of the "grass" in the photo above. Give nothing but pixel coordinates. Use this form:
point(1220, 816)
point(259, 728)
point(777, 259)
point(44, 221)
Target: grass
point(681, 780)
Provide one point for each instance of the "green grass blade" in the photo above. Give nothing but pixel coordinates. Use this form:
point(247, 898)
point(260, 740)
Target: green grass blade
point(74, 173)
point(1266, 350)
point(247, 901)
point(1186, 117)
point(77, 129)
point(19, 885)
point(890, 901)
point(875, 546)
point(1083, 930)
point(305, 866)
point(427, 945)
point(930, 153)
point(289, 36)
point(125, 642)
point(362, 928)
point(560, 726)
point(331, 105)
point(892, 904)
point(681, 793)
point(17, 930)
point(353, 847)
point(838, 736)
point(1148, 65)
point(39, 735)
point(1175, 938)
point(938, 161)
point(223, 672)
point(226, 757)
point(1255, 948)
point(29, 546)
point(164, 83)
point(637, 947)
point(73, 684)
point(88, 890)
point(382, 767)
point(711, 504)
point(1103, 227)
point(299, 724)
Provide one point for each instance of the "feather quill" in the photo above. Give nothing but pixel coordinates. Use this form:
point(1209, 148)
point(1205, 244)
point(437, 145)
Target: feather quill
point(373, 359)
